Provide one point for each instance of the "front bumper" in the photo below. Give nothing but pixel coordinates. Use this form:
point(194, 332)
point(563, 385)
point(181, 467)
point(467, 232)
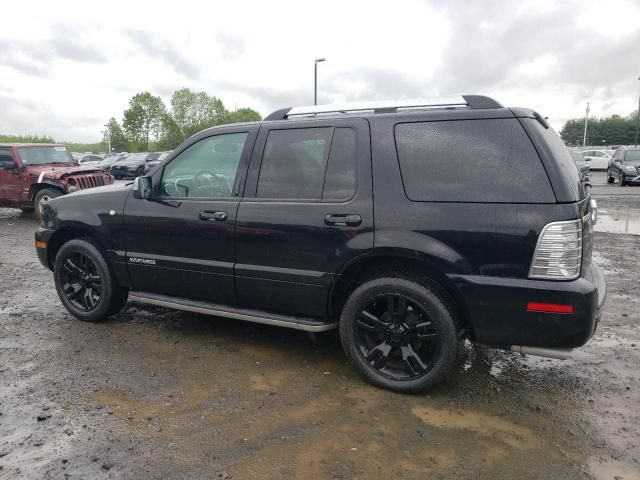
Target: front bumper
point(632, 178)
point(497, 308)
point(124, 171)
point(43, 235)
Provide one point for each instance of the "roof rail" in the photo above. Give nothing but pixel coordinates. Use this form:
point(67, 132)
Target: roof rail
point(387, 106)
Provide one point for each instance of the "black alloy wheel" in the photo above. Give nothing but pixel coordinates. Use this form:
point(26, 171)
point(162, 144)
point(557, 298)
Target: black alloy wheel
point(81, 282)
point(396, 337)
point(401, 333)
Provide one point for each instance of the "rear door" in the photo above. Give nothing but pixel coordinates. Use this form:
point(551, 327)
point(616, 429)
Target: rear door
point(182, 243)
point(307, 211)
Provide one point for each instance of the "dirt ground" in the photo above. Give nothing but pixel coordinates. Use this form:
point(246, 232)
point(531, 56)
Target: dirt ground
point(154, 393)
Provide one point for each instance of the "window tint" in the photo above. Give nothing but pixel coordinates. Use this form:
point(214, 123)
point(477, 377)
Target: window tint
point(471, 161)
point(293, 163)
point(340, 179)
point(207, 169)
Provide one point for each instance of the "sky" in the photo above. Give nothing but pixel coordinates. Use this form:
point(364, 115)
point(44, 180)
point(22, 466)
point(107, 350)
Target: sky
point(66, 67)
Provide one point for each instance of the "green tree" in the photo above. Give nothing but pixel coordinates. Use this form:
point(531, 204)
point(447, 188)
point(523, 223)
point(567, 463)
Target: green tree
point(119, 142)
point(195, 111)
point(143, 120)
point(243, 115)
point(171, 135)
point(613, 130)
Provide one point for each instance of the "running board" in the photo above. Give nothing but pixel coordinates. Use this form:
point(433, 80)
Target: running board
point(256, 316)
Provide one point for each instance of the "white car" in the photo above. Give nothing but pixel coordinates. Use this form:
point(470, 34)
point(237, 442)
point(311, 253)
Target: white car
point(598, 159)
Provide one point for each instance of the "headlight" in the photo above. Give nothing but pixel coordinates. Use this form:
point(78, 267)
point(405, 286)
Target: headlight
point(629, 169)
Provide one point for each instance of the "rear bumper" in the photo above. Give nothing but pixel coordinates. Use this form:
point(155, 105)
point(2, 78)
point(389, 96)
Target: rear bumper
point(498, 309)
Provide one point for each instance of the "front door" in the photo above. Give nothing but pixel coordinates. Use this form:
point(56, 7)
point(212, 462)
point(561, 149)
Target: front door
point(182, 243)
point(307, 211)
point(10, 181)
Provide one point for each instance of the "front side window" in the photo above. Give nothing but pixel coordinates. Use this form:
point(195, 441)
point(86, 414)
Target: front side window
point(207, 169)
point(6, 160)
point(294, 163)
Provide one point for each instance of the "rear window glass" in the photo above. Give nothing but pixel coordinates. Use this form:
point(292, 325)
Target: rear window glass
point(471, 161)
point(340, 178)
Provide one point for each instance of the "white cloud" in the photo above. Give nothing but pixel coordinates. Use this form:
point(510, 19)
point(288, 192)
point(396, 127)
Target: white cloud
point(67, 66)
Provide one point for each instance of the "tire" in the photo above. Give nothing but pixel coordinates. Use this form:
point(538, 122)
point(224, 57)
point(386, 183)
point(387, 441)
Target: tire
point(85, 283)
point(27, 209)
point(411, 356)
point(621, 180)
point(42, 197)
point(140, 172)
point(610, 179)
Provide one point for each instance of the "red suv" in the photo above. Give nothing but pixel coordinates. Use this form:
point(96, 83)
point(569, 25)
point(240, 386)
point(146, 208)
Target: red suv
point(31, 175)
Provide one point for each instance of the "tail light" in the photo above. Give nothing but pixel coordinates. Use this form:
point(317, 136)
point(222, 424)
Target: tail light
point(558, 254)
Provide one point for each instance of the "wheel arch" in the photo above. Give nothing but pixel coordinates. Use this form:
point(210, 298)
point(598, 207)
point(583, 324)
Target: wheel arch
point(70, 232)
point(36, 187)
point(376, 264)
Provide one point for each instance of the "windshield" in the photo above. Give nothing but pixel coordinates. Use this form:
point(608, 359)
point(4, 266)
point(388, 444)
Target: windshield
point(632, 157)
point(43, 155)
point(137, 156)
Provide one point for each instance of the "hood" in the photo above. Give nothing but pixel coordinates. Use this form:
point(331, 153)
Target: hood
point(57, 172)
point(129, 163)
point(100, 190)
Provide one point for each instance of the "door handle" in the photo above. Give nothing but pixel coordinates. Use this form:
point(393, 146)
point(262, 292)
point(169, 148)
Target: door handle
point(343, 220)
point(211, 215)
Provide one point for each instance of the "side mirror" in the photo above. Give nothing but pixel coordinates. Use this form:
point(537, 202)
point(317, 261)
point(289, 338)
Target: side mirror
point(143, 188)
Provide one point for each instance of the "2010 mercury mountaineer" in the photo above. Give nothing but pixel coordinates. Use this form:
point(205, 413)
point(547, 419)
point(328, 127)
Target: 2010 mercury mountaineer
point(410, 226)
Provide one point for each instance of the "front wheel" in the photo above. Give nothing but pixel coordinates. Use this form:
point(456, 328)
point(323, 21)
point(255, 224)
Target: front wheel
point(41, 199)
point(621, 178)
point(84, 282)
point(399, 334)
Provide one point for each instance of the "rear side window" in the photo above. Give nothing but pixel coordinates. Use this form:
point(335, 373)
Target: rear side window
point(490, 161)
point(309, 164)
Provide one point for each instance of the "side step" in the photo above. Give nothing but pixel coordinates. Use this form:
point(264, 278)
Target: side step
point(256, 316)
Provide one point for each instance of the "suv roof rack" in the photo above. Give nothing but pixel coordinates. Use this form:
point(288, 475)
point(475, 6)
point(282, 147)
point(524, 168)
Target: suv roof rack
point(387, 106)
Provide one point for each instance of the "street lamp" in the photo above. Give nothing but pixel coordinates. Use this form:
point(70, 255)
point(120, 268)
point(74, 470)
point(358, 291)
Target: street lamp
point(586, 119)
point(638, 118)
point(315, 79)
point(108, 137)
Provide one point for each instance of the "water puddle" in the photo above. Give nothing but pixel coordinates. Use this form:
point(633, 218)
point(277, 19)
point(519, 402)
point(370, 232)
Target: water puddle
point(618, 222)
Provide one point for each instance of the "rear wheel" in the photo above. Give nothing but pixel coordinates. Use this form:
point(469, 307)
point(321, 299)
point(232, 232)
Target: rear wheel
point(42, 197)
point(399, 334)
point(84, 282)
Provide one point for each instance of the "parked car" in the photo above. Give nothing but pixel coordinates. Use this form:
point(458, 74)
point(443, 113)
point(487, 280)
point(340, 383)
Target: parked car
point(90, 159)
point(582, 165)
point(130, 167)
point(598, 159)
point(151, 163)
point(410, 226)
point(108, 162)
point(624, 166)
point(33, 174)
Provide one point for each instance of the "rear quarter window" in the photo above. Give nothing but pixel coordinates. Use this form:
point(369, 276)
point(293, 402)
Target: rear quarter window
point(486, 161)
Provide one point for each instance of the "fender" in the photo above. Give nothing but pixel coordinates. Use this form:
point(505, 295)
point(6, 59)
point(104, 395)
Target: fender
point(44, 183)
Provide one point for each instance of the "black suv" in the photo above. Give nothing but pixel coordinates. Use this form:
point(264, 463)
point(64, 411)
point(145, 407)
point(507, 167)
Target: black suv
point(409, 226)
point(625, 166)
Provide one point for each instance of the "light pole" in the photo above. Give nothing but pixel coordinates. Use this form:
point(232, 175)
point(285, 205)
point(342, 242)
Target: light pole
point(315, 79)
point(586, 120)
point(109, 137)
point(638, 118)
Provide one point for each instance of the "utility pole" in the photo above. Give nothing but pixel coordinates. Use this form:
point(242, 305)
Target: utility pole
point(315, 79)
point(638, 118)
point(109, 137)
point(586, 120)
